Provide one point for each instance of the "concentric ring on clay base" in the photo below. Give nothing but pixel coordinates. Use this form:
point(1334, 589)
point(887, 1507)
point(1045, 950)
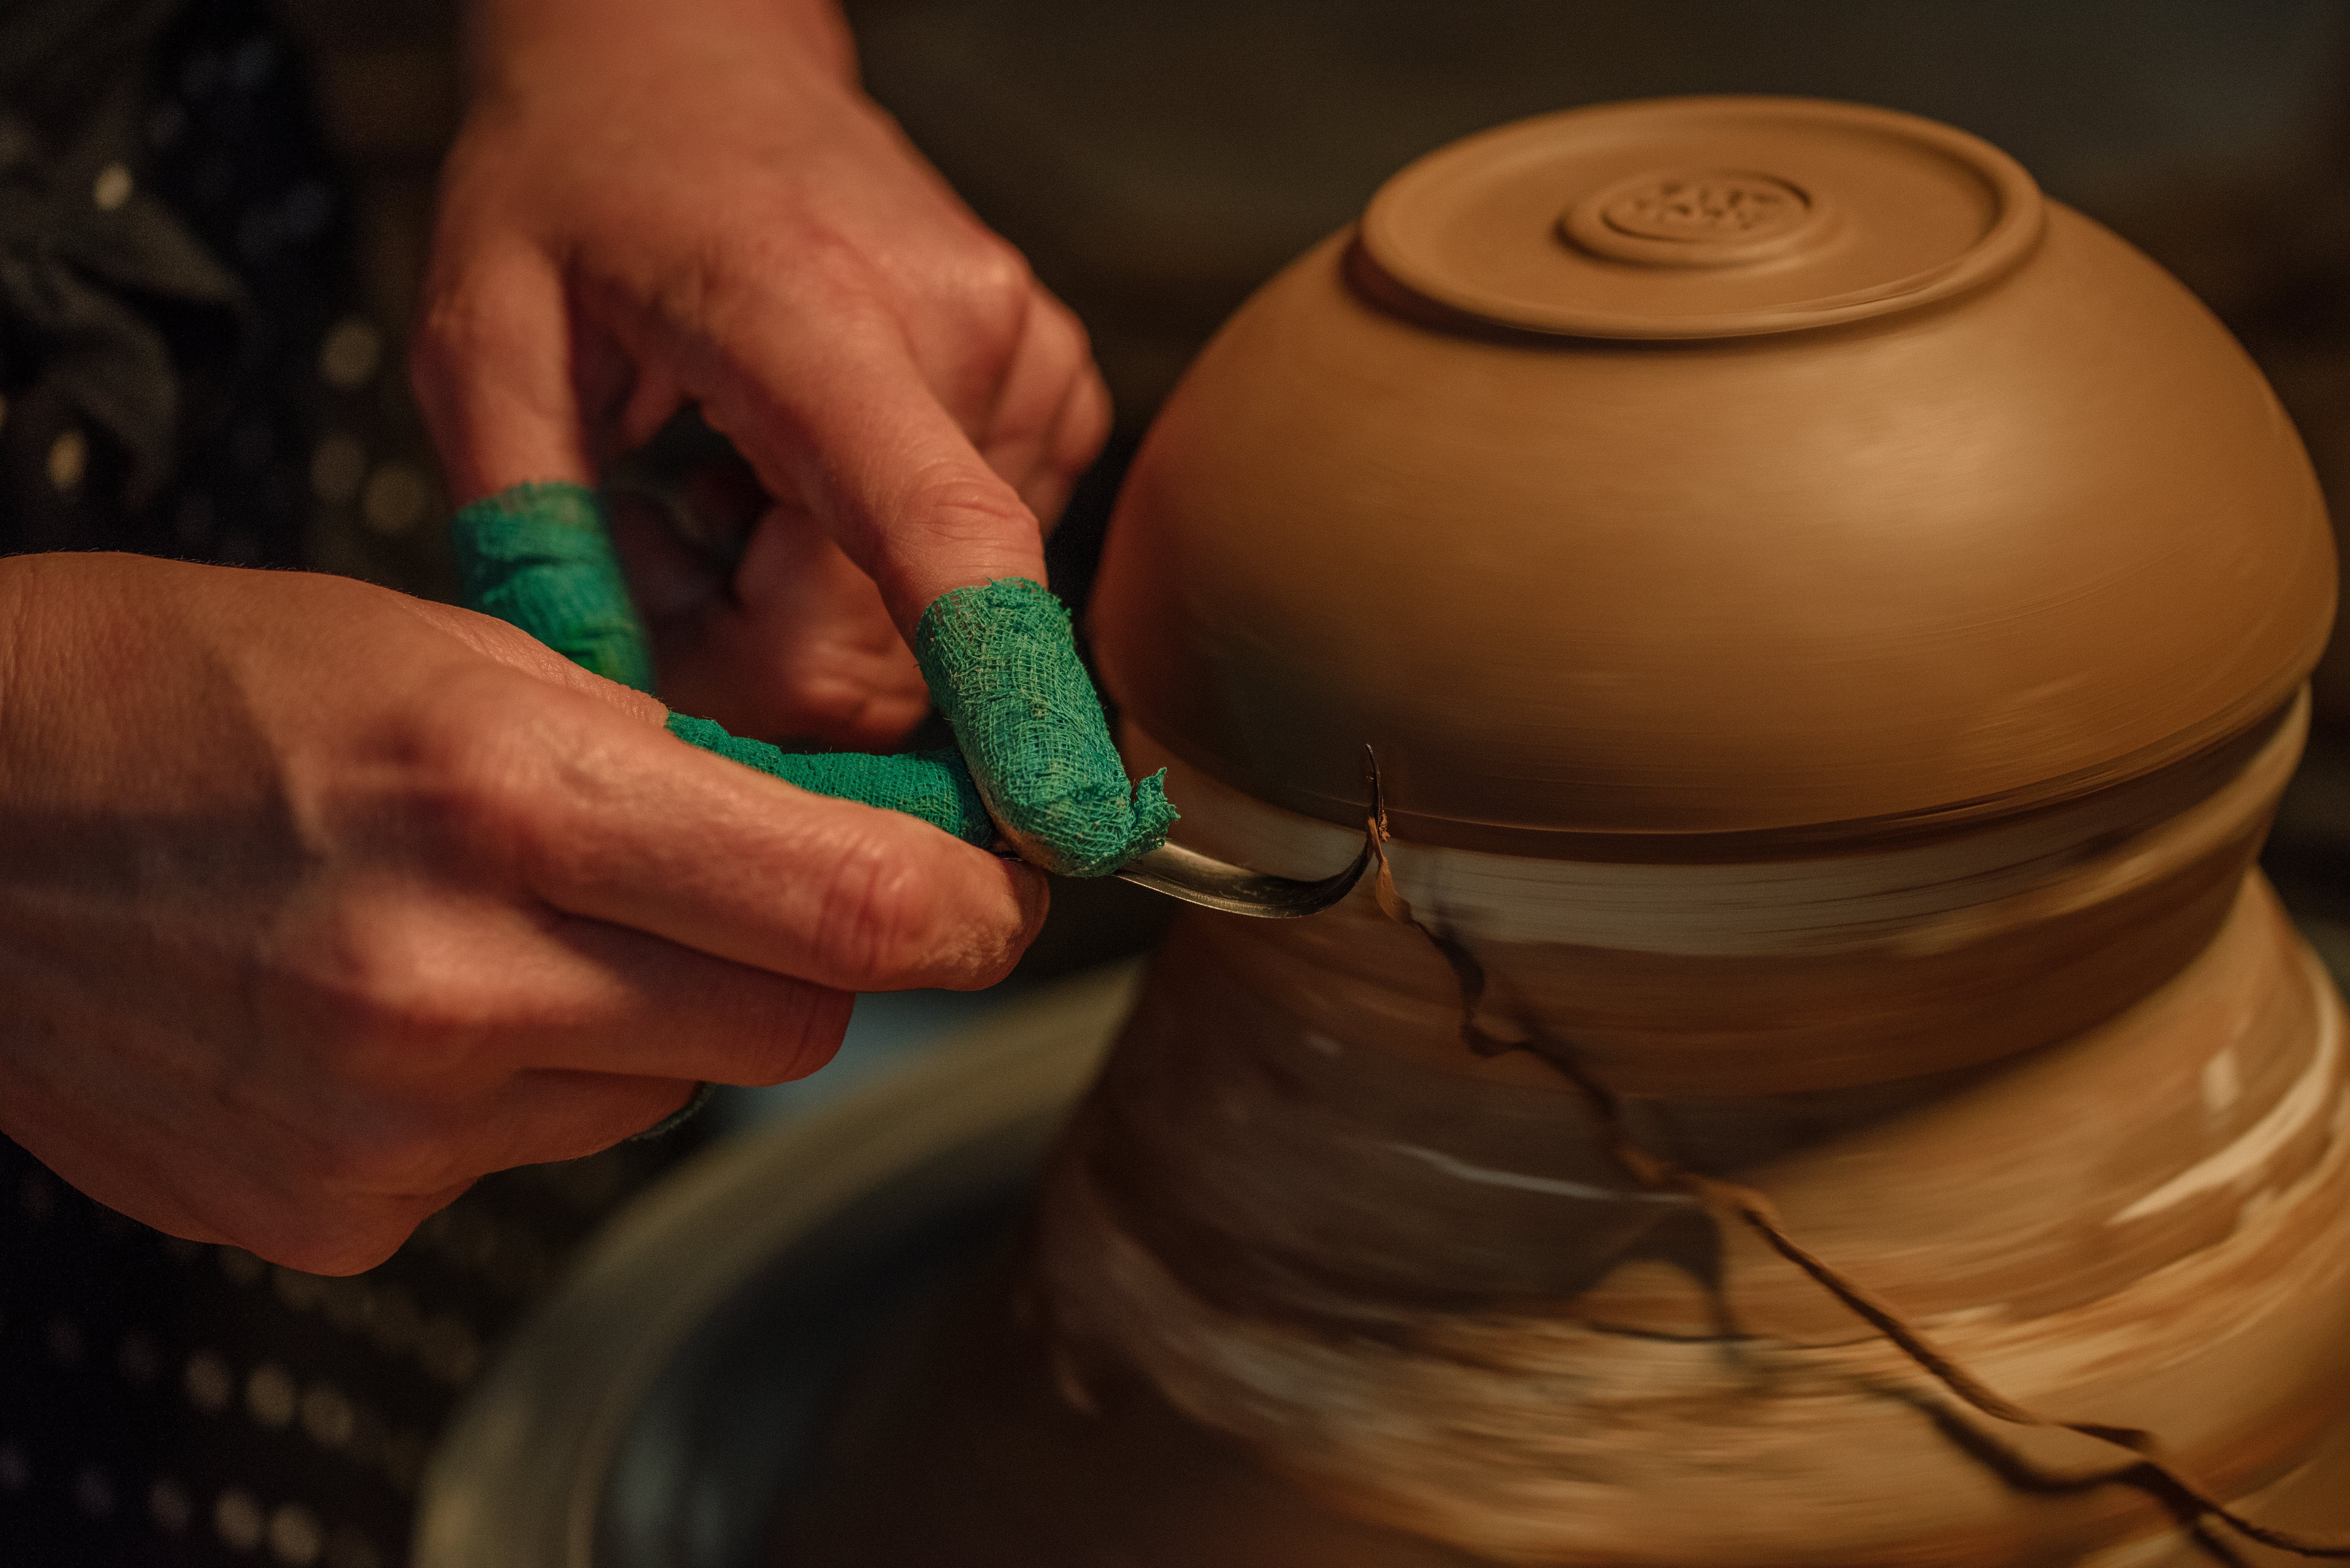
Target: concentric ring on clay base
point(1693, 218)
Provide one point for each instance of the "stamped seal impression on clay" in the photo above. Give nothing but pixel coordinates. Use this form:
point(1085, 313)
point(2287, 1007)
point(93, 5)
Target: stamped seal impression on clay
point(1688, 218)
point(1697, 217)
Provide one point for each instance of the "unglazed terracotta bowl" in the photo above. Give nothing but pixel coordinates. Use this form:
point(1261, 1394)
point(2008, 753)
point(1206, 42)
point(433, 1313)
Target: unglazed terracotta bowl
point(1711, 466)
point(1798, 583)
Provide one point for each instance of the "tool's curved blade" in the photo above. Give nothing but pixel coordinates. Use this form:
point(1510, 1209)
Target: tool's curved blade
point(1197, 878)
point(1214, 884)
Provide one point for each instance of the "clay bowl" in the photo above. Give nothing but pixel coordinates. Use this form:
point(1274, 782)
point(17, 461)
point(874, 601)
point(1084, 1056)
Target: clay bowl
point(1712, 467)
point(1824, 613)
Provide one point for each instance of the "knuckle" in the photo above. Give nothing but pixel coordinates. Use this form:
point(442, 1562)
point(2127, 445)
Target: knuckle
point(983, 967)
point(394, 997)
point(1063, 335)
point(997, 279)
point(799, 1039)
point(371, 1148)
point(386, 999)
point(960, 507)
point(335, 1248)
point(1085, 431)
point(812, 270)
point(455, 326)
point(878, 917)
point(822, 1027)
point(465, 761)
point(990, 957)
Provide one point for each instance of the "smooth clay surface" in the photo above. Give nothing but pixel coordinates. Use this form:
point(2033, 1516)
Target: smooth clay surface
point(1959, 553)
point(1831, 625)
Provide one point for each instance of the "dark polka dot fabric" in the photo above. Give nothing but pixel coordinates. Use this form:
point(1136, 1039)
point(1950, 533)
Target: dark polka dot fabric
point(173, 280)
point(184, 372)
point(167, 1403)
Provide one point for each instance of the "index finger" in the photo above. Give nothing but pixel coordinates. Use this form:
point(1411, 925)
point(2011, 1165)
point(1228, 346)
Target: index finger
point(845, 420)
point(616, 820)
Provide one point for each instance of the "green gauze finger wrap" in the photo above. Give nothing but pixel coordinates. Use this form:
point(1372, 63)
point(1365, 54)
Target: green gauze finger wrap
point(1003, 667)
point(932, 785)
point(539, 557)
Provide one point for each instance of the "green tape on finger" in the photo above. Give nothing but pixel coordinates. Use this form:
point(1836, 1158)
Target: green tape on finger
point(1036, 758)
point(540, 556)
point(932, 785)
point(1002, 666)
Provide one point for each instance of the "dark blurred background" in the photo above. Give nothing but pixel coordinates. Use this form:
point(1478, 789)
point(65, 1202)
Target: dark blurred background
point(1155, 161)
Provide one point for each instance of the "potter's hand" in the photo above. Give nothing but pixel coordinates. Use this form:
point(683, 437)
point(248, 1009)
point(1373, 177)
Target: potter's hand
point(317, 902)
point(655, 201)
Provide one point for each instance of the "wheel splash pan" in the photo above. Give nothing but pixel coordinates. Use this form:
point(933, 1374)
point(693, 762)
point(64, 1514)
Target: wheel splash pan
point(662, 1403)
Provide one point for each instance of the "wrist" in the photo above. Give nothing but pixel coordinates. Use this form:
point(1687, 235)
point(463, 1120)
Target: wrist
point(41, 596)
point(511, 43)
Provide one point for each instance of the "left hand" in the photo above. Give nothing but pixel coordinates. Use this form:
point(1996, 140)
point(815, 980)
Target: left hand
point(316, 902)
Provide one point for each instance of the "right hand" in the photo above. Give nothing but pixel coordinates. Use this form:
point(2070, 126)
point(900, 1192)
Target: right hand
point(318, 902)
point(657, 202)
